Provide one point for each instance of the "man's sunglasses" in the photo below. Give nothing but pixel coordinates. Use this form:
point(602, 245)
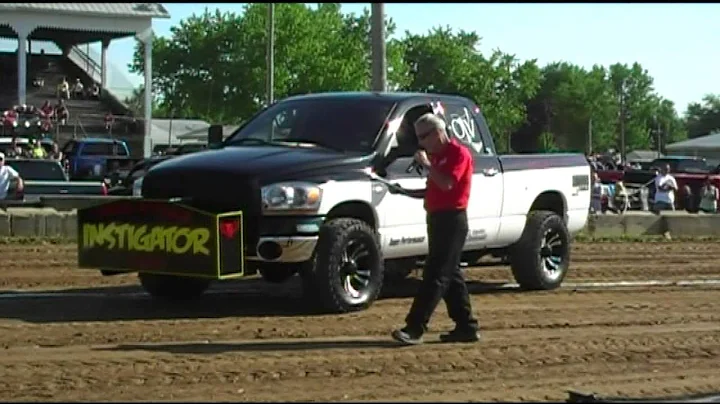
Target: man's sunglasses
point(424, 135)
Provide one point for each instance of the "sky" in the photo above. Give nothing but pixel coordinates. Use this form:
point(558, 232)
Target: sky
point(676, 43)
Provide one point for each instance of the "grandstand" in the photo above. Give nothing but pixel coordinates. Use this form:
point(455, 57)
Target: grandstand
point(70, 26)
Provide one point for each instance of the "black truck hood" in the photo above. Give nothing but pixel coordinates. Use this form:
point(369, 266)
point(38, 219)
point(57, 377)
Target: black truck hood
point(263, 163)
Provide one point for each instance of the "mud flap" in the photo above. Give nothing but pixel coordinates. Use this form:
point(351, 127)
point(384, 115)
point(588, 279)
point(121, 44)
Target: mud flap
point(576, 397)
point(160, 237)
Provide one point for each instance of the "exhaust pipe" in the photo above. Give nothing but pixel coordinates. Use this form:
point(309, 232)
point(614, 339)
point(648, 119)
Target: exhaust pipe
point(269, 250)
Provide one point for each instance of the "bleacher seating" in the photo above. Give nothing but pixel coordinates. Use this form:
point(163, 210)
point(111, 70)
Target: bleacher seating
point(86, 115)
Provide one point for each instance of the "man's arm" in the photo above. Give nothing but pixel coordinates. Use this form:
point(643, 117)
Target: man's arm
point(412, 193)
point(457, 163)
point(16, 176)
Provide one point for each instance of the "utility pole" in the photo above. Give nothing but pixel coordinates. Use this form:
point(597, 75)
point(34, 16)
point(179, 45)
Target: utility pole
point(658, 136)
point(589, 140)
point(270, 74)
point(377, 43)
point(622, 121)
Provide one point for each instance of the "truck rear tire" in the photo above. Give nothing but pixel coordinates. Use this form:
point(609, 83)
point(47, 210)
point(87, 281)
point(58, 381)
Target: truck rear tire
point(540, 259)
point(348, 270)
point(173, 287)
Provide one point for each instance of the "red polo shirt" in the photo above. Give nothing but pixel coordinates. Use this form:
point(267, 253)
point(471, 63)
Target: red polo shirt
point(454, 160)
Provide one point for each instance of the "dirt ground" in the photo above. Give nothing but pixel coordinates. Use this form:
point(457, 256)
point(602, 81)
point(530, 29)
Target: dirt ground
point(70, 334)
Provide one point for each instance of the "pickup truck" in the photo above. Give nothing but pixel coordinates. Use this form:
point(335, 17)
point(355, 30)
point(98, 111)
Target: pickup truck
point(301, 188)
point(86, 159)
point(47, 178)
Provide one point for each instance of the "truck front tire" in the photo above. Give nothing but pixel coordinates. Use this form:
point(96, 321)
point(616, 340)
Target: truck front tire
point(347, 271)
point(173, 287)
point(540, 259)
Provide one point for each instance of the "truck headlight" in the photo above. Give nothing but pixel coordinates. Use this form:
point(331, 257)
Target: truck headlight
point(137, 187)
point(292, 196)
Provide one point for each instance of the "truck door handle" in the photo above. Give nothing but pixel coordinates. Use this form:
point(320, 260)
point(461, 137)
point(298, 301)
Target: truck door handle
point(63, 191)
point(489, 172)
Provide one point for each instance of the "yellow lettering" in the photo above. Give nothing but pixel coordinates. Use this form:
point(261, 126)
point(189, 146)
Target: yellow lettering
point(199, 239)
point(173, 240)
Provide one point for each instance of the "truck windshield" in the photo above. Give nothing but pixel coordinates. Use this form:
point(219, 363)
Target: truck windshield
point(345, 124)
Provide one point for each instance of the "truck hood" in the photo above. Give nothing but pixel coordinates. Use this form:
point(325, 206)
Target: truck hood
point(261, 162)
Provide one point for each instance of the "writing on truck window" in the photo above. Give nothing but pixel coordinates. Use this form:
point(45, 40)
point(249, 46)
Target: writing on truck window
point(463, 127)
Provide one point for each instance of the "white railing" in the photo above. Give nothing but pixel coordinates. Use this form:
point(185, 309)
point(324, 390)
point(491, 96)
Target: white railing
point(93, 68)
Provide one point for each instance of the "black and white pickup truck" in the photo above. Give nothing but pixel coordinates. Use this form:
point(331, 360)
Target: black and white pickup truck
point(301, 188)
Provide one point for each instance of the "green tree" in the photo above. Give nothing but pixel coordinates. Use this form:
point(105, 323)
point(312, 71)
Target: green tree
point(703, 118)
point(446, 62)
point(213, 66)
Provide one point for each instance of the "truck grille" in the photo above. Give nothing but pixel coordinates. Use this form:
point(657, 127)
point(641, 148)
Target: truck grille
point(211, 192)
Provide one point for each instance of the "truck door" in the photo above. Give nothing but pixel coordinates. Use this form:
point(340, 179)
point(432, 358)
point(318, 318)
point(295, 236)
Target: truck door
point(486, 195)
point(403, 223)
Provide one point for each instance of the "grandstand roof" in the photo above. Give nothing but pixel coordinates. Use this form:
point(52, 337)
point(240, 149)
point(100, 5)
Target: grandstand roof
point(138, 10)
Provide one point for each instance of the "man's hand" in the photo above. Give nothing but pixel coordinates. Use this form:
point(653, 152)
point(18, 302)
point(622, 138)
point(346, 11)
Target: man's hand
point(421, 158)
point(394, 188)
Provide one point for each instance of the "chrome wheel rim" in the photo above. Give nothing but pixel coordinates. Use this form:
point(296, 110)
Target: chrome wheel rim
point(552, 252)
point(355, 270)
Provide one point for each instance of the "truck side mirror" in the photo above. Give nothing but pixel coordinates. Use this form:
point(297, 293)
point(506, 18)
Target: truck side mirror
point(215, 136)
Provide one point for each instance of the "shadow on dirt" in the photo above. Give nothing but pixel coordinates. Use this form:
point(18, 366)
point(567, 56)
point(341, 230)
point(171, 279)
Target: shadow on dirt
point(247, 298)
point(220, 348)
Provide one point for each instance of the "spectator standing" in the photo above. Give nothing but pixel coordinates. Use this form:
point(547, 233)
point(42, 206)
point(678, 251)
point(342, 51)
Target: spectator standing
point(597, 193)
point(62, 112)
point(109, 120)
point(665, 188)
point(7, 176)
point(709, 197)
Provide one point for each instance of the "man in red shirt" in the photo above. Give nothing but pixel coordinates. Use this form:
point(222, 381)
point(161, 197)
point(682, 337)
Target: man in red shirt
point(450, 167)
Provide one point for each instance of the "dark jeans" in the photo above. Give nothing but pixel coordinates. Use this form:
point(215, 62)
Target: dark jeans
point(442, 277)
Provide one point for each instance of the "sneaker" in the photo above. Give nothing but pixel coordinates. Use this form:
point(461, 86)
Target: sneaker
point(407, 337)
point(460, 335)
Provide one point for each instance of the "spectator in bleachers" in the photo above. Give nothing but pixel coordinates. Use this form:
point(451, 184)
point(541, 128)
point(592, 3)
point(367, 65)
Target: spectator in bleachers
point(109, 121)
point(62, 113)
point(38, 81)
point(78, 89)
point(15, 151)
point(55, 153)
point(709, 197)
point(9, 120)
point(36, 150)
point(95, 92)
point(46, 126)
point(63, 90)
point(8, 175)
point(46, 110)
